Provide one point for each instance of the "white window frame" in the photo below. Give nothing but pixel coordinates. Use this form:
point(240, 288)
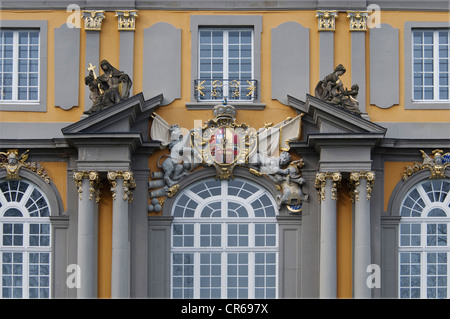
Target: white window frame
point(436, 71)
point(423, 249)
point(15, 73)
point(26, 220)
point(226, 61)
point(251, 249)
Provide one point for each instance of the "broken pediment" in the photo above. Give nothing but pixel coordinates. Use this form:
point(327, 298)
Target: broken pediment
point(106, 139)
point(325, 118)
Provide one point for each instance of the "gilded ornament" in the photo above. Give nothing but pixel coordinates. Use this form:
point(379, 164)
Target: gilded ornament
point(437, 163)
point(93, 19)
point(128, 184)
point(94, 184)
point(126, 19)
point(12, 162)
point(355, 177)
point(320, 183)
point(326, 19)
point(358, 20)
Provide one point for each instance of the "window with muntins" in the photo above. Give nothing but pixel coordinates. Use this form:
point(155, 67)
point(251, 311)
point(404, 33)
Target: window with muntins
point(19, 59)
point(224, 241)
point(424, 246)
point(226, 65)
point(431, 64)
point(25, 241)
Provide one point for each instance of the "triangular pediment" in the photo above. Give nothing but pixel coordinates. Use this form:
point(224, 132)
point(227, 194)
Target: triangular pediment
point(128, 116)
point(325, 118)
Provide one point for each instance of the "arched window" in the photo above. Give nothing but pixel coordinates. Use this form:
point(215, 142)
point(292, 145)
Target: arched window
point(424, 248)
point(25, 239)
point(224, 241)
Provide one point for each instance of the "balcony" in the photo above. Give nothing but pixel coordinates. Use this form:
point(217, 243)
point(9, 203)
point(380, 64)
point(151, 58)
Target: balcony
point(233, 90)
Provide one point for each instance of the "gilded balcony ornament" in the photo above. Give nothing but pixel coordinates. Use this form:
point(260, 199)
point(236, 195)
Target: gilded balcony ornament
point(93, 19)
point(128, 184)
point(358, 20)
point(251, 88)
point(126, 19)
point(234, 89)
point(216, 90)
point(326, 19)
point(94, 184)
point(437, 163)
point(200, 87)
point(320, 182)
point(355, 177)
point(12, 162)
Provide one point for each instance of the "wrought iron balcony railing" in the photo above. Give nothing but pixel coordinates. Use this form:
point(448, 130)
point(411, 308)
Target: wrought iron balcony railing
point(218, 89)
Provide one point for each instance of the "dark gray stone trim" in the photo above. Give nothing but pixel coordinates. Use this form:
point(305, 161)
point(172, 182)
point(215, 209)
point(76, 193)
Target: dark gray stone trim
point(159, 239)
point(60, 225)
point(384, 66)
point(229, 5)
point(67, 66)
point(289, 267)
point(409, 103)
point(41, 106)
point(254, 21)
point(289, 61)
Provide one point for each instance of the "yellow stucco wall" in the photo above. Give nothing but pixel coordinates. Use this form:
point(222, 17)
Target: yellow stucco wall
point(57, 172)
point(176, 112)
point(393, 172)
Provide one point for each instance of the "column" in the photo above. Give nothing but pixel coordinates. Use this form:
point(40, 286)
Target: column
point(362, 182)
point(88, 185)
point(327, 184)
point(121, 186)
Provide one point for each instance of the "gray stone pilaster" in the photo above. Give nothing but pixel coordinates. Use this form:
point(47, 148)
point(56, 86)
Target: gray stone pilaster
point(359, 67)
point(92, 55)
point(126, 58)
point(326, 53)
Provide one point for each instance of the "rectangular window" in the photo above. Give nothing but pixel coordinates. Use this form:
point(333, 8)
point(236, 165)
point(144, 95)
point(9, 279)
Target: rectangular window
point(430, 51)
point(19, 65)
point(226, 67)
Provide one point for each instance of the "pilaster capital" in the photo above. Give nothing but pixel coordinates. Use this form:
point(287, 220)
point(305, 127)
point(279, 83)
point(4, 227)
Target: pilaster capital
point(358, 20)
point(94, 184)
point(126, 19)
point(320, 182)
point(327, 19)
point(128, 184)
point(355, 178)
point(93, 19)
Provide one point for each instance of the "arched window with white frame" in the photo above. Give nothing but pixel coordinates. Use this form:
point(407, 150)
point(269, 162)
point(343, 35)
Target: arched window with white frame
point(224, 241)
point(25, 240)
point(424, 248)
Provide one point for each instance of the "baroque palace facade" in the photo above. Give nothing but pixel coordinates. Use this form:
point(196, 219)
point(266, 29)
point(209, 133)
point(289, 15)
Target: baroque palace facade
point(233, 149)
